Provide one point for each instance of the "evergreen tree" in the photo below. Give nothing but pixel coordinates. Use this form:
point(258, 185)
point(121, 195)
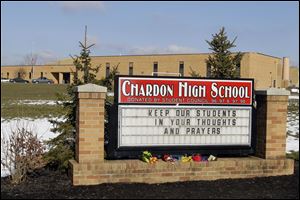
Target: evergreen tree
point(83, 63)
point(222, 63)
point(62, 148)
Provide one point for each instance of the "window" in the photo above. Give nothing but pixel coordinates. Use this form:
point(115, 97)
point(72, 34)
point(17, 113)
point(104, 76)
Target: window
point(19, 74)
point(107, 70)
point(130, 68)
point(7, 74)
point(42, 74)
point(155, 68)
point(274, 83)
point(29, 75)
point(181, 68)
point(238, 70)
point(208, 70)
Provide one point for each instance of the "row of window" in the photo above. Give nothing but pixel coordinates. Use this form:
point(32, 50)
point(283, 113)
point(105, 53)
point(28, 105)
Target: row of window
point(107, 67)
point(155, 69)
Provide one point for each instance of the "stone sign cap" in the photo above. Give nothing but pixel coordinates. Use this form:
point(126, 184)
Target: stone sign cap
point(273, 92)
point(90, 88)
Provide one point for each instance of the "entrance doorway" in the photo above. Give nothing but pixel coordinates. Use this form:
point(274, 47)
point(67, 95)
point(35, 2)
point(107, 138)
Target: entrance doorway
point(66, 78)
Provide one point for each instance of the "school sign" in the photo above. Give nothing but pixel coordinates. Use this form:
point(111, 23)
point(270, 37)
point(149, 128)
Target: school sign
point(181, 115)
point(171, 115)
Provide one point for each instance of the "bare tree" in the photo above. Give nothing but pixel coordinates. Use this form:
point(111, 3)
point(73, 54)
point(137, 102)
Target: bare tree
point(30, 59)
point(193, 73)
point(20, 72)
point(21, 152)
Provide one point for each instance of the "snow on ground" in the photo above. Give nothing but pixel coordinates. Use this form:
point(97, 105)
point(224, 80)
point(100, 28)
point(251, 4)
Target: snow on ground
point(292, 144)
point(295, 90)
point(294, 97)
point(39, 102)
point(292, 129)
point(293, 126)
point(41, 127)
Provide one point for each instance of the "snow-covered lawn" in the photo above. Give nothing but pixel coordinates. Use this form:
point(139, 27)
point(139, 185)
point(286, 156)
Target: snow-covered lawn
point(39, 126)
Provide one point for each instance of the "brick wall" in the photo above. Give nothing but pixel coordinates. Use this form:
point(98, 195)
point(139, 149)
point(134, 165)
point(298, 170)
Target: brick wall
point(271, 123)
point(161, 172)
point(90, 124)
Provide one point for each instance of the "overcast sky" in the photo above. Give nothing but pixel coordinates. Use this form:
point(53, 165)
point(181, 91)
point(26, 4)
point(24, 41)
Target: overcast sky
point(52, 29)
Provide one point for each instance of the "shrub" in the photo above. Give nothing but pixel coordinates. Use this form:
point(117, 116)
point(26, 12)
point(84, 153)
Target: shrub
point(293, 155)
point(59, 156)
point(22, 153)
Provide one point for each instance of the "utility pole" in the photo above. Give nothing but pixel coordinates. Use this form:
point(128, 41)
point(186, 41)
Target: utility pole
point(31, 60)
point(85, 36)
point(271, 79)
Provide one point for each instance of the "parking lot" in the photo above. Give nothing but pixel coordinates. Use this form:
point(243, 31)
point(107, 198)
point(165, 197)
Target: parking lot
point(22, 80)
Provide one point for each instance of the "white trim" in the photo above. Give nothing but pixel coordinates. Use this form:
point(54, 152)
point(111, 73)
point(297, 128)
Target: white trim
point(176, 73)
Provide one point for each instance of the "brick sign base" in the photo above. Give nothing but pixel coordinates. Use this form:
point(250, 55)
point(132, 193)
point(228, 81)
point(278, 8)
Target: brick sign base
point(90, 167)
point(137, 171)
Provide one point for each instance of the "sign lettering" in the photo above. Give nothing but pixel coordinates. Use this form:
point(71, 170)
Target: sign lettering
point(184, 91)
point(184, 125)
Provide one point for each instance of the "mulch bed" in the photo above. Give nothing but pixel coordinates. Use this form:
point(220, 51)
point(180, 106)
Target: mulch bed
point(52, 184)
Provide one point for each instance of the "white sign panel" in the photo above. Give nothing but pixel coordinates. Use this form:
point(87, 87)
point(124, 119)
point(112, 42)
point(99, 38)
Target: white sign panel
point(184, 125)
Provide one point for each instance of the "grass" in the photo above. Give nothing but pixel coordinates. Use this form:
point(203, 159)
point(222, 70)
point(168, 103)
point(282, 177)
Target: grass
point(11, 94)
point(31, 111)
